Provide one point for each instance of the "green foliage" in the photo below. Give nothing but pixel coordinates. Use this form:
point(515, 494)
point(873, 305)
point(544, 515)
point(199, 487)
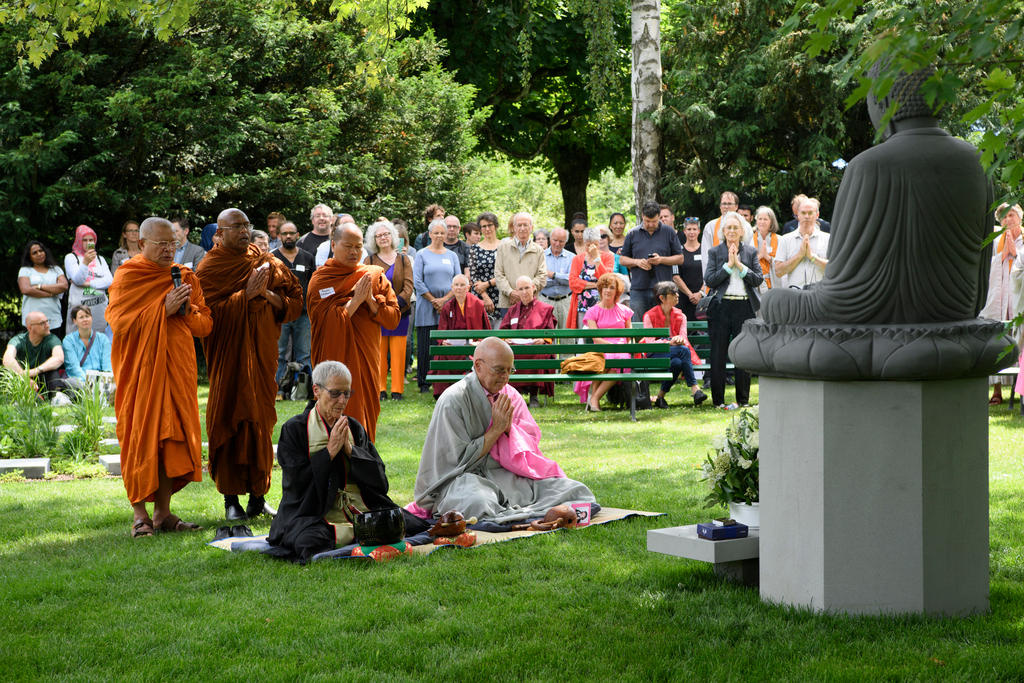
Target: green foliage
point(500, 186)
point(12, 477)
point(28, 421)
point(76, 469)
point(732, 469)
point(552, 77)
point(746, 109)
point(87, 416)
point(975, 47)
point(245, 107)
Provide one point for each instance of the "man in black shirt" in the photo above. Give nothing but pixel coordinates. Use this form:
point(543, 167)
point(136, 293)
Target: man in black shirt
point(322, 218)
point(651, 251)
point(294, 335)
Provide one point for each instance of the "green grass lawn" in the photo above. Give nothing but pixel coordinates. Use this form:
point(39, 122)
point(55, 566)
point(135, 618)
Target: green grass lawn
point(80, 600)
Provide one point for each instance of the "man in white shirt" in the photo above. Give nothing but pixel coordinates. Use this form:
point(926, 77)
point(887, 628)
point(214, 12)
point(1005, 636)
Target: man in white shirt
point(801, 258)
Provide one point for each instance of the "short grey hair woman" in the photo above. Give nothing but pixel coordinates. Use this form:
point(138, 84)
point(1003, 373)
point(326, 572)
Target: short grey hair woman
point(327, 369)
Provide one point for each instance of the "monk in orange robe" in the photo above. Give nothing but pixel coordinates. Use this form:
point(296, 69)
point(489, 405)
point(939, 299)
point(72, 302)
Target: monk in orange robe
point(251, 294)
point(154, 363)
point(349, 303)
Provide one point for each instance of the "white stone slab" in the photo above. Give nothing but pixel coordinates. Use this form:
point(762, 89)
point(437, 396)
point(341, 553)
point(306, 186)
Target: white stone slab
point(112, 463)
point(683, 541)
point(110, 419)
point(65, 429)
point(32, 468)
point(108, 442)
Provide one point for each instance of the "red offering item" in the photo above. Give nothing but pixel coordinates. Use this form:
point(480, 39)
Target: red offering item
point(464, 540)
point(383, 553)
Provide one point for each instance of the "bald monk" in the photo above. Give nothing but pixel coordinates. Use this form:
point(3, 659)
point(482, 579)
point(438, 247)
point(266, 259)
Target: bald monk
point(154, 363)
point(482, 453)
point(349, 303)
point(250, 293)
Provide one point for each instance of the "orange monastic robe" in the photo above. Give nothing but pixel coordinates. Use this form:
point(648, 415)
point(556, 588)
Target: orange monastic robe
point(355, 340)
point(241, 357)
point(154, 362)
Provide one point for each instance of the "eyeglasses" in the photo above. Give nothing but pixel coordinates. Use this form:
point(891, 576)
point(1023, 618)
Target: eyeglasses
point(499, 370)
point(336, 393)
point(163, 246)
point(238, 226)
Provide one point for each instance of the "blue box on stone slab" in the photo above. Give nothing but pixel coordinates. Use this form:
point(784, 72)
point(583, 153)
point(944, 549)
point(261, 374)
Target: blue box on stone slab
point(721, 533)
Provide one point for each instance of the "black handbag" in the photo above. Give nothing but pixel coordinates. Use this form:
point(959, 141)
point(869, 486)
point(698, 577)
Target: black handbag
point(704, 305)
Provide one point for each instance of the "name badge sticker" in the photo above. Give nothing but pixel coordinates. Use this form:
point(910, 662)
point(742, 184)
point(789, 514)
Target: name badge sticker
point(326, 292)
point(696, 257)
point(301, 268)
point(446, 262)
point(513, 321)
point(187, 265)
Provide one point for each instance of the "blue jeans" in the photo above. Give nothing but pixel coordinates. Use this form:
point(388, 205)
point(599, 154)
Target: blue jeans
point(679, 363)
point(641, 301)
point(296, 335)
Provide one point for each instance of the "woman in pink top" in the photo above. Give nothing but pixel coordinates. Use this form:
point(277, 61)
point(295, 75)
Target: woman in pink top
point(607, 314)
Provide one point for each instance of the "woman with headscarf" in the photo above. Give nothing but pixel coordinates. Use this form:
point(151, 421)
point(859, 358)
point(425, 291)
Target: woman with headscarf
point(90, 277)
point(128, 245)
point(209, 239)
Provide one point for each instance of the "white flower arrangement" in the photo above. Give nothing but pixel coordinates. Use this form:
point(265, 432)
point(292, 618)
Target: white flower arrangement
point(731, 468)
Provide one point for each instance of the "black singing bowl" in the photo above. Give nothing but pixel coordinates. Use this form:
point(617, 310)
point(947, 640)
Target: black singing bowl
point(379, 527)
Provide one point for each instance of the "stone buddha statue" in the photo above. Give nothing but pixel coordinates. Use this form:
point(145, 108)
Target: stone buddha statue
point(906, 273)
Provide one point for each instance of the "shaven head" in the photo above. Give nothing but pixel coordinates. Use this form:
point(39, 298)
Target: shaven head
point(156, 239)
point(347, 244)
point(234, 229)
point(493, 363)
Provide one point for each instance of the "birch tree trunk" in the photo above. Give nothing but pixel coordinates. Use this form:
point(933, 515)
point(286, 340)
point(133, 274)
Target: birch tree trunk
point(646, 24)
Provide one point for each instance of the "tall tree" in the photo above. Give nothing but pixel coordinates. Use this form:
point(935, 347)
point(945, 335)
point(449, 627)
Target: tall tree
point(247, 107)
point(975, 48)
point(646, 147)
point(550, 92)
point(746, 109)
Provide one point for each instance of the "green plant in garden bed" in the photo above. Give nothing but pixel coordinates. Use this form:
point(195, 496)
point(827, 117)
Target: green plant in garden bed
point(87, 415)
point(731, 470)
point(28, 420)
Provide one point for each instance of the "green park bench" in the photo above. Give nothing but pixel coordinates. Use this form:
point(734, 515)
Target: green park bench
point(565, 344)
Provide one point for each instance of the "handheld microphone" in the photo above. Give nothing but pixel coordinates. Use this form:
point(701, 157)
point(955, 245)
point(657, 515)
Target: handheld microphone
point(176, 279)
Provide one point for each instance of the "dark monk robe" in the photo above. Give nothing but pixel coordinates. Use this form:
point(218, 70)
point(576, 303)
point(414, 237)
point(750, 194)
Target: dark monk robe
point(308, 520)
point(241, 357)
point(154, 362)
point(535, 315)
point(454, 317)
point(353, 340)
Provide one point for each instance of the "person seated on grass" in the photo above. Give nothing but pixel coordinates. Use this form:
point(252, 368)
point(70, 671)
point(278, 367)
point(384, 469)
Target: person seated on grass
point(37, 352)
point(329, 466)
point(482, 452)
point(84, 349)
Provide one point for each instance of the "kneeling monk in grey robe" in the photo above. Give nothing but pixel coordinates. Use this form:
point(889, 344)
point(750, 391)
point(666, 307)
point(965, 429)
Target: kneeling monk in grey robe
point(482, 455)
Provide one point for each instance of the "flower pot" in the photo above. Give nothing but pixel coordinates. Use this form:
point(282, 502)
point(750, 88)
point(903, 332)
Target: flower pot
point(744, 513)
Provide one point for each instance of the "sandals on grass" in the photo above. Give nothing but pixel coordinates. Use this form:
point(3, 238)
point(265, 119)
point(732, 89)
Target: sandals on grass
point(174, 523)
point(142, 527)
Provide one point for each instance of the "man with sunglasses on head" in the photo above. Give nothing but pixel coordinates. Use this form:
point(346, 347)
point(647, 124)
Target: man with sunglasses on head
point(482, 456)
point(250, 294)
point(329, 466)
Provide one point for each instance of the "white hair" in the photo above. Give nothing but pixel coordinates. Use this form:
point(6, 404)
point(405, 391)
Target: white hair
point(370, 239)
point(320, 206)
point(327, 369)
point(591, 235)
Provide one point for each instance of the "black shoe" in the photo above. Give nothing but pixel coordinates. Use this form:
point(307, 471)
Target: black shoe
point(534, 403)
point(240, 531)
point(258, 506)
point(699, 397)
point(660, 402)
point(396, 396)
point(233, 509)
point(424, 390)
point(383, 395)
point(222, 533)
